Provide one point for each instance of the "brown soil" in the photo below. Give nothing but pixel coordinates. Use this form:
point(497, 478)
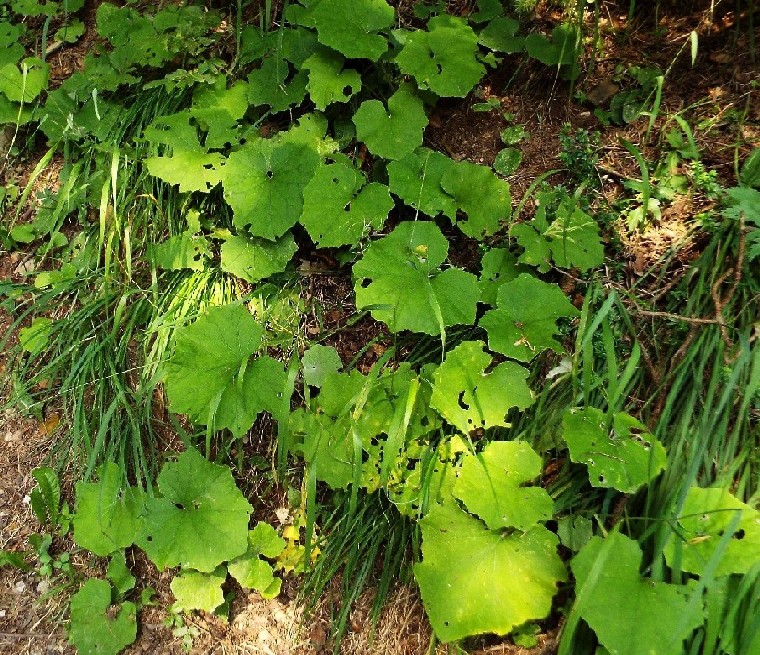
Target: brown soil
point(718, 95)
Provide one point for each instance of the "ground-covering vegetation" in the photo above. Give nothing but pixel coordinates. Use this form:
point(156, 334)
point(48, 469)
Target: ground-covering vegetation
point(530, 438)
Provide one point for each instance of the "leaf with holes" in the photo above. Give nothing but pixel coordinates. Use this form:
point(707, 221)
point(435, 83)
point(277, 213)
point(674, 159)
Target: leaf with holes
point(525, 320)
point(400, 282)
point(469, 398)
point(571, 240)
point(444, 59)
point(326, 445)
point(395, 132)
point(474, 580)
point(352, 28)
point(416, 179)
point(706, 516)
point(194, 590)
point(650, 617)
point(270, 85)
point(106, 518)
point(620, 453)
point(186, 250)
point(255, 259)
point(328, 81)
point(95, 628)
point(479, 193)
point(188, 165)
point(200, 518)
point(339, 208)
point(491, 484)
point(264, 183)
point(253, 572)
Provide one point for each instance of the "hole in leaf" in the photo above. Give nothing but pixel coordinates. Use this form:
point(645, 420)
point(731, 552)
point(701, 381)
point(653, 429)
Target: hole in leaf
point(179, 505)
point(347, 208)
point(410, 464)
point(366, 282)
point(208, 167)
point(347, 91)
point(739, 534)
point(601, 478)
point(149, 538)
point(335, 180)
point(439, 68)
point(460, 401)
point(270, 174)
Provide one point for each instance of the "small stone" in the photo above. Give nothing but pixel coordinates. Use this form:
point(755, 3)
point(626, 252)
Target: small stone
point(20, 587)
point(603, 92)
point(43, 586)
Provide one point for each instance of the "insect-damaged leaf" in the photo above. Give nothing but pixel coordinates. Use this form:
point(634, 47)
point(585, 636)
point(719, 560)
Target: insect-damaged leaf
point(200, 518)
point(469, 398)
point(474, 580)
point(443, 59)
point(189, 165)
point(525, 320)
point(253, 572)
point(416, 179)
point(264, 183)
point(352, 28)
point(328, 81)
point(620, 453)
point(491, 485)
point(339, 208)
point(706, 517)
point(399, 280)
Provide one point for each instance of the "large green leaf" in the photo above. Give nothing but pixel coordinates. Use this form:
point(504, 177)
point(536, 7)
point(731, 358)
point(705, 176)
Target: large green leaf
point(200, 518)
point(416, 179)
point(253, 572)
point(395, 132)
point(491, 485)
point(525, 320)
point(194, 590)
point(352, 28)
point(570, 240)
point(269, 85)
point(479, 193)
point(499, 266)
point(328, 81)
point(339, 208)
point(264, 183)
point(95, 630)
point(399, 280)
point(25, 82)
point(208, 355)
point(471, 399)
point(706, 516)
point(255, 259)
point(106, 517)
point(474, 580)
point(620, 453)
point(444, 59)
point(501, 35)
point(649, 616)
point(189, 165)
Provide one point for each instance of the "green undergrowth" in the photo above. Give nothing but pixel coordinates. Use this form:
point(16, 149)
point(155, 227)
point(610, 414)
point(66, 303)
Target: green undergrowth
point(521, 454)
